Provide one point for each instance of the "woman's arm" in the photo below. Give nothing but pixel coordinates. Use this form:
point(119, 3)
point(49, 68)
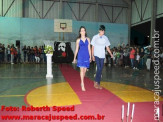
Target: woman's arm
point(93, 57)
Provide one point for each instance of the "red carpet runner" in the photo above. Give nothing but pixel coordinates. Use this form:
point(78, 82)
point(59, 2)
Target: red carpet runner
point(102, 101)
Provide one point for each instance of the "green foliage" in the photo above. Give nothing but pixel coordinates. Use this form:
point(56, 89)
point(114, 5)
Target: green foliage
point(48, 49)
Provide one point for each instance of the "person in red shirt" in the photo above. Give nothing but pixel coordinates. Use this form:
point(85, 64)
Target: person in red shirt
point(15, 55)
point(12, 54)
point(132, 57)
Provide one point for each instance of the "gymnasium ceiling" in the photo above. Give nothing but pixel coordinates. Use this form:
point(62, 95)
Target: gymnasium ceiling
point(99, 1)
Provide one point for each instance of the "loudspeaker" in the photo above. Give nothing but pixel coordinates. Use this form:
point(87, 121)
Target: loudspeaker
point(17, 43)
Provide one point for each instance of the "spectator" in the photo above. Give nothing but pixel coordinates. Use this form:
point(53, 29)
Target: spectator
point(8, 52)
point(12, 54)
point(132, 57)
point(28, 54)
point(141, 58)
point(15, 55)
point(37, 56)
point(125, 57)
point(136, 64)
point(24, 53)
point(1, 51)
point(32, 55)
point(148, 62)
point(18, 54)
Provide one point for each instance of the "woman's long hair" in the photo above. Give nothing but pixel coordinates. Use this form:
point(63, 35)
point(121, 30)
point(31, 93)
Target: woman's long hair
point(80, 31)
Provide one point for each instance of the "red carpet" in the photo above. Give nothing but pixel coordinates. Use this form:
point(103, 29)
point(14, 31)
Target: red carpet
point(104, 102)
point(94, 102)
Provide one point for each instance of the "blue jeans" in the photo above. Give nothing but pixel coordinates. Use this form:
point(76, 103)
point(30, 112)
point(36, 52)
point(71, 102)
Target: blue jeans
point(25, 55)
point(44, 57)
point(8, 57)
point(32, 58)
point(132, 62)
point(100, 64)
point(141, 62)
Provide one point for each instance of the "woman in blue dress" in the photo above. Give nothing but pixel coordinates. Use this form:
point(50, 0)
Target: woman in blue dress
point(83, 53)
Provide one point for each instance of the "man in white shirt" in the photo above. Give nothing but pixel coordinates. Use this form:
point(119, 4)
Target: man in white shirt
point(99, 43)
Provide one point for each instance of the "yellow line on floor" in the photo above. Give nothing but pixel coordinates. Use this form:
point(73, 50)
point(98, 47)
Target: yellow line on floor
point(51, 94)
point(22, 77)
point(12, 95)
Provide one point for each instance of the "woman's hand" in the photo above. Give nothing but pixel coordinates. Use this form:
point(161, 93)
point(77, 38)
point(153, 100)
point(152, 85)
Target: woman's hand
point(90, 59)
point(74, 61)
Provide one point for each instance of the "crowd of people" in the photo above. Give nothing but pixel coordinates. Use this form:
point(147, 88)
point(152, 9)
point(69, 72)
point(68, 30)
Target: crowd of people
point(134, 57)
point(14, 55)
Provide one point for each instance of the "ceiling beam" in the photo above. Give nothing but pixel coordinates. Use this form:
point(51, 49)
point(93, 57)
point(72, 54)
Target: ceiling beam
point(128, 2)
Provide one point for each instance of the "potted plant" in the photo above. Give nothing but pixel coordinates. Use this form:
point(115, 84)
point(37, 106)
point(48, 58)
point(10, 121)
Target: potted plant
point(49, 53)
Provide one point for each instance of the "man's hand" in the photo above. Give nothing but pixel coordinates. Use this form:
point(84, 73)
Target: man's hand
point(112, 56)
point(93, 58)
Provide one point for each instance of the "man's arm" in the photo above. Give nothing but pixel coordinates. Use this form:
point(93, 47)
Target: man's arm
point(108, 49)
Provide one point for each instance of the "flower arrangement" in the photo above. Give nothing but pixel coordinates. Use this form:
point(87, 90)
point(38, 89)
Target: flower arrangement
point(48, 49)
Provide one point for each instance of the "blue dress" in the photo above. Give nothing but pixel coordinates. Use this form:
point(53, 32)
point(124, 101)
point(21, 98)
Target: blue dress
point(83, 54)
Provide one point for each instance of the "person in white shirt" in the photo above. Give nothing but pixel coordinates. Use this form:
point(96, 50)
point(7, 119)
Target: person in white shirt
point(99, 42)
point(137, 61)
